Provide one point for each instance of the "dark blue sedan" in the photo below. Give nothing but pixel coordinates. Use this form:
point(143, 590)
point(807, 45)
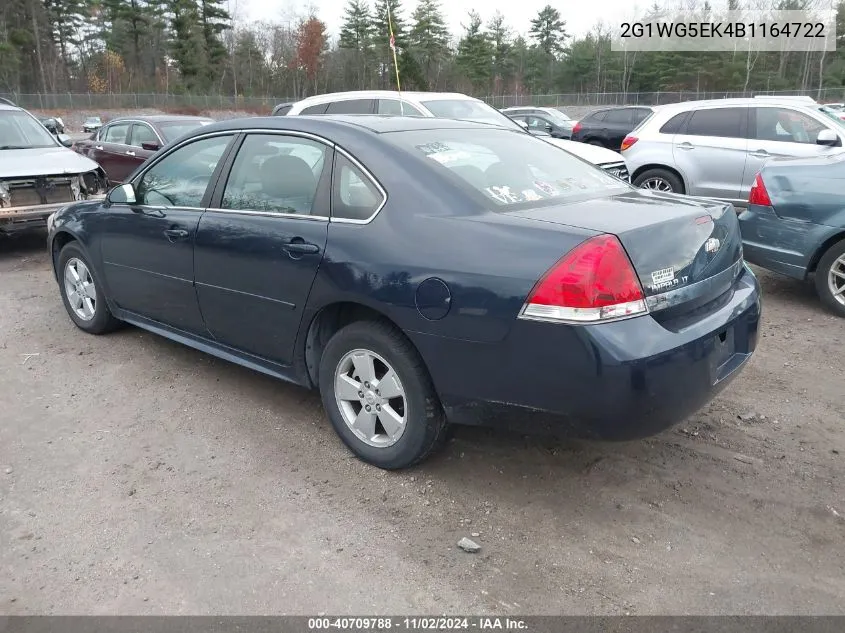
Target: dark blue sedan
point(795, 223)
point(419, 272)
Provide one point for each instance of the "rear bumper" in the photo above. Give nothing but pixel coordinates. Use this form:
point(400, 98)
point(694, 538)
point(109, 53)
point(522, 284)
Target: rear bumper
point(616, 381)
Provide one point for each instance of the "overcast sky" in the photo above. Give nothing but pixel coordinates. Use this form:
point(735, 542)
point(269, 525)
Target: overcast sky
point(580, 16)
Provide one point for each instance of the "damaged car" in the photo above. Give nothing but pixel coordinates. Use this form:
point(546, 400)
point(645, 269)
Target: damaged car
point(39, 174)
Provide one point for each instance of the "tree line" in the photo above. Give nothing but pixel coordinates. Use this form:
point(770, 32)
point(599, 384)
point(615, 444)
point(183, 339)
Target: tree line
point(199, 47)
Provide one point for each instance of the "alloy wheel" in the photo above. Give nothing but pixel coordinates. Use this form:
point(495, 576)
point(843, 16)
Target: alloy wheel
point(80, 289)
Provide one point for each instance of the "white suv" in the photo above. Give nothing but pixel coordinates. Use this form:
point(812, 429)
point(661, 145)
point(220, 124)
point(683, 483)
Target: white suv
point(714, 149)
point(443, 105)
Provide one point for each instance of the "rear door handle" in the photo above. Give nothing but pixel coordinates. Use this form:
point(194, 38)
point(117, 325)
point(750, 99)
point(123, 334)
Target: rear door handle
point(686, 146)
point(760, 153)
point(175, 234)
point(130, 153)
point(298, 245)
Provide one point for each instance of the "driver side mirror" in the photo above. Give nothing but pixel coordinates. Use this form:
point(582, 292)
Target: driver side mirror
point(122, 194)
point(828, 138)
point(152, 147)
point(548, 127)
point(65, 140)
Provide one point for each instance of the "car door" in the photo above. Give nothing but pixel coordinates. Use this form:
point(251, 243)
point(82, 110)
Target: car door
point(261, 241)
point(116, 153)
point(710, 151)
point(781, 131)
point(147, 248)
point(141, 133)
point(541, 124)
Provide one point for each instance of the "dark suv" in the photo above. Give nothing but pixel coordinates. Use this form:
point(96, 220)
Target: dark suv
point(609, 126)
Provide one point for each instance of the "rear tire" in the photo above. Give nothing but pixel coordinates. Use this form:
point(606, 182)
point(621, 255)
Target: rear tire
point(82, 293)
point(379, 396)
point(659, 180)
point(830, 278)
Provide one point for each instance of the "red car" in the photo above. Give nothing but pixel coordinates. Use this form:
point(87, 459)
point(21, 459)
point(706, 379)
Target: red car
point(124, 143)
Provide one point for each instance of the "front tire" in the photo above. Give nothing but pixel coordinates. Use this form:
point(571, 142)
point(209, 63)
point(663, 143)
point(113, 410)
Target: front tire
point(659, 180)
point(379, 396)
point(830, 278)
point(82, 294)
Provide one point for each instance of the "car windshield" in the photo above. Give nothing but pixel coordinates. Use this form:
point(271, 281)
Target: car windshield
point(469, 110)
point(171, 130)
point(831, 114)
point(509, 169)
point(18, 130)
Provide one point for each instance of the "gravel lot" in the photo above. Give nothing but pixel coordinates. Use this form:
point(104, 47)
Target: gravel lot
point(138, 476)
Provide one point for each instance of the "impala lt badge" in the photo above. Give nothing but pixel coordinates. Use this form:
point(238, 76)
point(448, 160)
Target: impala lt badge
point(712, 245)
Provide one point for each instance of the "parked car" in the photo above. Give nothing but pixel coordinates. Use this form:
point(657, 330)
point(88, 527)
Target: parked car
point(5, 101)
point(714, 149)
point(282, 108)
point(795, 223)
point(38, 173)
point(419, 272)
point(54, 124)
point(607, 127)
point(92, 124)
point(447, 105)
point(550, 120)
point(125, 143)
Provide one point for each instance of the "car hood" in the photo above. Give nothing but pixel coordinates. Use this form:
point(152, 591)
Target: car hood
point(594, 154)
point(43, 161)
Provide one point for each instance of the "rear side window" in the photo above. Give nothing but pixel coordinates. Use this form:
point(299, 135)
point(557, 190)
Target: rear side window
point(315, 109)
point(675, 124)
point(282, 110)
point(621, 116)
point(720, 122)
point(640, 115)
point(597, 116)
point(351, 106)
point(117, 133)
point(354, 195)
point(395, 107)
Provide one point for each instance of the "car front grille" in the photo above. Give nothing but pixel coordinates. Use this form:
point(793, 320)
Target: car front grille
point(620, 170)
point(36, 191)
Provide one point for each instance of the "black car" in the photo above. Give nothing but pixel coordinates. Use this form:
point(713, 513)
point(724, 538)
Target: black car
point(549, 120)
point(608, 127)
point(419, 271)
point(53, 124)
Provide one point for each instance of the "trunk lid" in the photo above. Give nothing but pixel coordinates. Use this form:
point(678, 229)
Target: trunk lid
point(684, 251)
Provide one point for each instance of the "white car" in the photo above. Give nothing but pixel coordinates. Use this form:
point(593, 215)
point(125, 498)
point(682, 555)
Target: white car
point(444, 105)
point(38, 173)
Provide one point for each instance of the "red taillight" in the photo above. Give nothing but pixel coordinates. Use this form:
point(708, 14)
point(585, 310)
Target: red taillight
point(594, 282)
point(627, 142)
point(758, 194)
point(576, 128)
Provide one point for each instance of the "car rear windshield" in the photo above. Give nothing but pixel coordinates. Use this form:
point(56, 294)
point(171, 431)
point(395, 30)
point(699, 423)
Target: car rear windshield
point(18, 130)
point(469, 110)
point(171, 130)
point(509, 168)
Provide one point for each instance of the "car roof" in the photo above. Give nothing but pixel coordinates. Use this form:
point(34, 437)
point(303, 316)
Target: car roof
point(160, 118)
point(740, 101)
point(327, 123)
point(5, 106)
point(412, 96)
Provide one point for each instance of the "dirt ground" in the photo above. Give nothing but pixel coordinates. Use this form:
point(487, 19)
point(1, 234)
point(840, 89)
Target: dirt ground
point(141, 477)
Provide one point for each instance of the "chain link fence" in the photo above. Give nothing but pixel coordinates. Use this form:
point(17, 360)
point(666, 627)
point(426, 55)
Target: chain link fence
point(139, 101)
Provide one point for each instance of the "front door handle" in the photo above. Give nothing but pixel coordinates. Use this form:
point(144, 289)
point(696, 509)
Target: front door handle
point(98, 147)
point(299, 246)
point(175, 234)
point(686, 146)
point(760, 153)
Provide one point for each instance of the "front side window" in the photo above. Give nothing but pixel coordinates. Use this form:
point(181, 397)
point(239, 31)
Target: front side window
point(117, 133)
point(536, 123)
point(508, 169)
point(275, 174)
point(785, 125)
point(181, 178)
point(622, 116)
point(18, 130)
point(354, 196)
point(719, 122)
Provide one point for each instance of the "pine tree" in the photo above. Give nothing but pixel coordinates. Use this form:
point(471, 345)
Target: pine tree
point(429, 39)
point(381, 41)
point(503, 63)
point(475, 53)
point(548, 31)
point(356, 36)
point(188, 45)
point(214, 19)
